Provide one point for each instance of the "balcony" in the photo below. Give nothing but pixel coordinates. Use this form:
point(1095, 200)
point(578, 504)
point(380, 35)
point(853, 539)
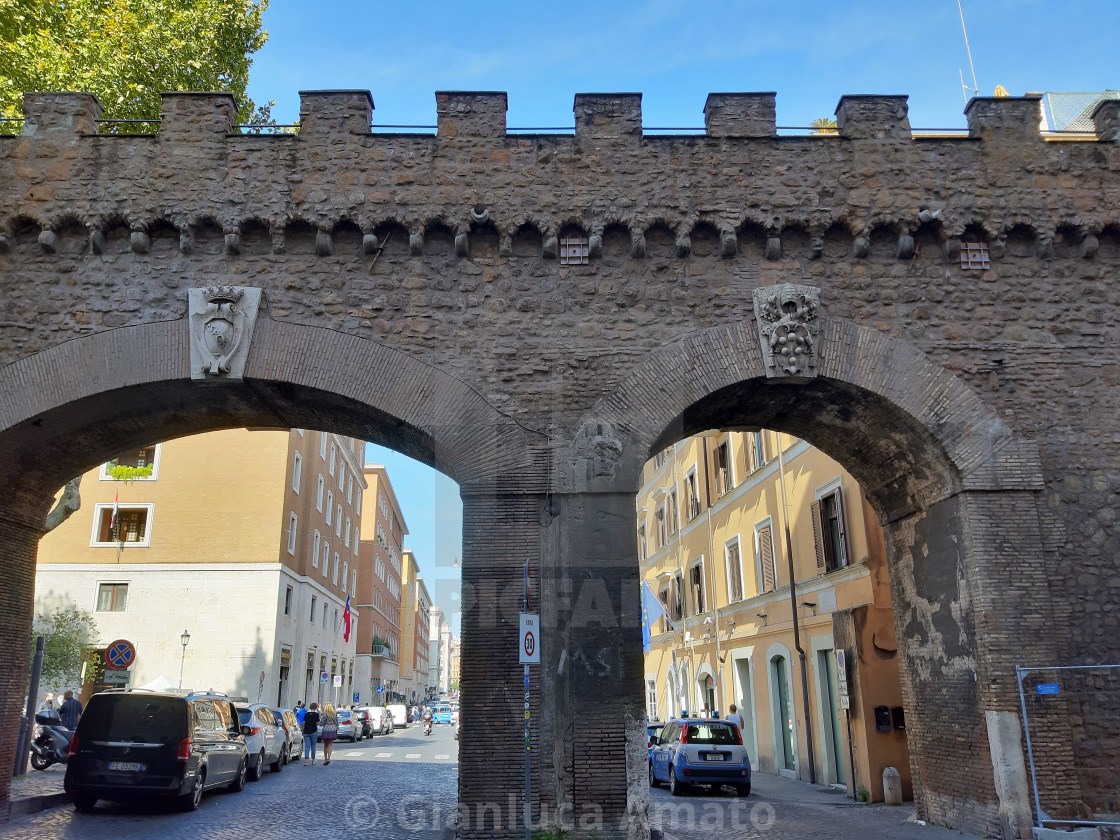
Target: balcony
point(381, 651)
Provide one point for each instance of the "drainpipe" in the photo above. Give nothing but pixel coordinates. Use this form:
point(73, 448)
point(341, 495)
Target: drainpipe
point(796, 625)
point(711, 575)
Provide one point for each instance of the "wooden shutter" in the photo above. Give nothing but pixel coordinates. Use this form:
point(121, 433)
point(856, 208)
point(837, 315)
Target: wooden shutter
point(818, 538)
point(842, 549)
point(766, 550)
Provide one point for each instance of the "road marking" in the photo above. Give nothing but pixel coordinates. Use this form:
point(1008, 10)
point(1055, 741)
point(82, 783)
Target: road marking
point(412, 755)
point(442, 756)
point(383, 755)
point(355, 752)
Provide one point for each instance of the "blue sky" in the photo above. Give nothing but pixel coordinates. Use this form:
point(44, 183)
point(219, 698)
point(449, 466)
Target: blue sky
point(675, 53)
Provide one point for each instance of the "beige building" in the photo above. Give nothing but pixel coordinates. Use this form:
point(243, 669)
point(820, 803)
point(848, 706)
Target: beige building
point(415, 607)
point(378, 652)
point(712, 523)
point(246, 540)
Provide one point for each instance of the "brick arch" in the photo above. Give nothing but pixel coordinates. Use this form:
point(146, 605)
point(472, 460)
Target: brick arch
point(942, 438)
point(132, 384)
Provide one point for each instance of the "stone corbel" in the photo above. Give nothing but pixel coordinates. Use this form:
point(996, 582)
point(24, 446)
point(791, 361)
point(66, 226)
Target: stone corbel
point(1089, 246)
point(48, 241)
point(728, 244)
point(140, 241)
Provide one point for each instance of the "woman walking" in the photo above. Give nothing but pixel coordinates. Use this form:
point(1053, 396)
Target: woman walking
point(311, 733)
point(330, 732)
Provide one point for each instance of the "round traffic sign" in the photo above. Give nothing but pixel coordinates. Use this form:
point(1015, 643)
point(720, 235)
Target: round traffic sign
point(530, 643)
point(119, 655)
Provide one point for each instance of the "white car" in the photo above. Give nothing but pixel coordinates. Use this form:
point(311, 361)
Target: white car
point(265, 738)
point(400, 715)
point(381, 719)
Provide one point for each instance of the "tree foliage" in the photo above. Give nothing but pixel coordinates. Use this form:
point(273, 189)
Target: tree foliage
point(824, 125)
point(129, 51)
point(67, 632)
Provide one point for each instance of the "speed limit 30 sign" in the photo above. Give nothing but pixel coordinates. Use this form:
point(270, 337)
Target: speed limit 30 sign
point(529, 644)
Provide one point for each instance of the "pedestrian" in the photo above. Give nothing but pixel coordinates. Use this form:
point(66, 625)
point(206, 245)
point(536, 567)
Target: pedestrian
point(301, 712)
point(310, 733)
point(48, 703)
point(735, 717)
point(70, 711)
point(330, 732)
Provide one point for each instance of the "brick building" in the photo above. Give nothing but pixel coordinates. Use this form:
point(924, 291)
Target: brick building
point(416, 605)
point(711, 539)
point(271, 516)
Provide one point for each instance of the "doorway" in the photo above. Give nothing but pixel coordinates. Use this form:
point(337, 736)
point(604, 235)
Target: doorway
point(785, 758)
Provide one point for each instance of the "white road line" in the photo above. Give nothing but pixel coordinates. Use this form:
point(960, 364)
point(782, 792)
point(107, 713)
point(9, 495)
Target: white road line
point(412, 755)
point(442, 756)
point(383, 755)
point(355, 752)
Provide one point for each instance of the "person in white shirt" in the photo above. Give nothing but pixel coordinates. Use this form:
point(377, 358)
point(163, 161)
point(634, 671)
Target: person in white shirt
point(734, 715)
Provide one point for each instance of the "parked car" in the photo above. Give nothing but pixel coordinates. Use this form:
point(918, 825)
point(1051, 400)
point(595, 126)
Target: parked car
point(265, 738)
point(400, 715)
point(349, 727)
point(381, 722)
point(363, 717)
point(133, 743)
point(653, 730)
point(456, 727)
point(292, 730)
point(698, 751)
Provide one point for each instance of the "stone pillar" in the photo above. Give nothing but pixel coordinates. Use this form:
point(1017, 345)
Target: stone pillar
point(601, 116)
point(1014, 118)
point(60, 114)
point(740, 115)
point(873, 117)
point(471, 113)
point(197, 116)
point(1106, 120)
point(327, 112)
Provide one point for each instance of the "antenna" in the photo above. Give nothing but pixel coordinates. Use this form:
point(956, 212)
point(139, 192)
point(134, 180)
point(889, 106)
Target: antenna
point(975, 88)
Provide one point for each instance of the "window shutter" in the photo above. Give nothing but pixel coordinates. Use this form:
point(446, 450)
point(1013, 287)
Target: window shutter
point(818, 538)
point(766, 548)
point(843, 552)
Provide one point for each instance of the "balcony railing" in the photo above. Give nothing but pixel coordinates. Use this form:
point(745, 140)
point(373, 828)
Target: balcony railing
point(380, 650)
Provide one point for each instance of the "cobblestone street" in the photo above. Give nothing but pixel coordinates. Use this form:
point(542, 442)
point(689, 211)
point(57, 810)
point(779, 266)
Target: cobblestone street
point(405, 785)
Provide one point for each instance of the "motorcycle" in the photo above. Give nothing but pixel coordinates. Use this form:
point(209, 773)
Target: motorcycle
point(52, 744)
point(427, 727)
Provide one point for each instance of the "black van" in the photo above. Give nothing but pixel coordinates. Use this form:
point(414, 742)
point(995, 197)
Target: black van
point(133, 744)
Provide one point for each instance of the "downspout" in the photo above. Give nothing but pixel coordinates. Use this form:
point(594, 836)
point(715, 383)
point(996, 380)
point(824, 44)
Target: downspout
point(711, 577)
point(796, 624)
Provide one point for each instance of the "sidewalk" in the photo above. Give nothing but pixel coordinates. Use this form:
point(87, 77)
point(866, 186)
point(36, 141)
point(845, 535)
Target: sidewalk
point(38, 790)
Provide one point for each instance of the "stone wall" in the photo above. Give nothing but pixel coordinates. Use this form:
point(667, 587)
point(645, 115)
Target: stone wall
point(413, 295)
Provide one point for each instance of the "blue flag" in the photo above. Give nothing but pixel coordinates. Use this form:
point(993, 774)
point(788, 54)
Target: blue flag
point(651, 611)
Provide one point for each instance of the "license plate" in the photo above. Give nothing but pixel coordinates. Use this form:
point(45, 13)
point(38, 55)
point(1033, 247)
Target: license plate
point(715, 757)
point(126, 766)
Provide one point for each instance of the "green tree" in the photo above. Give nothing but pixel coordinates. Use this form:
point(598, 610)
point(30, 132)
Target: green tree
point(823, 125)
point(129, 51)
point(67, 632)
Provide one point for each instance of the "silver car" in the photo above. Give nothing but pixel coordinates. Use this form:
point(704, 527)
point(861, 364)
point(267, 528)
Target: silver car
point(348, 726)
point(266, 739)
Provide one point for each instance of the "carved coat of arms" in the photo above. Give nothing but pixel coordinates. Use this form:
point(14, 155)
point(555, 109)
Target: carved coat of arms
point(788, 329)
point(221, 326)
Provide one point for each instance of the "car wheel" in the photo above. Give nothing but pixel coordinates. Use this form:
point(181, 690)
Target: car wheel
point(744, 790)
point(677, 788)
point(191, 801)
point(84, 802)
point(257, 768)
point(238, 783)
point(278, 764)
point(652, 778)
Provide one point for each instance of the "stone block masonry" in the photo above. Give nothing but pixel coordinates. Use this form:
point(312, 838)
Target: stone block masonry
point(417, 290)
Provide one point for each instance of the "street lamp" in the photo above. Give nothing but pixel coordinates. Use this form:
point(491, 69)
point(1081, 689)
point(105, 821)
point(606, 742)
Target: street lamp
point(184, 640)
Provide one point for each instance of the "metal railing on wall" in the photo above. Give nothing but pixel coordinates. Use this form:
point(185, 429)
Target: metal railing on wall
point(1071, 717)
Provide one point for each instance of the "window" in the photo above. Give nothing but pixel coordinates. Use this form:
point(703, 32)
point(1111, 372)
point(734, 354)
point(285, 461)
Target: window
point(676, 598)
point(292, 522)
point(764, 552)
point(758, 450)
point(345, 572)
point(359, 503)
point(642, 541)
point(974, 256)
point(112, 597)
point(734, 570)
point(355, 539)
point(347, 531)
point(341, 476)
point(693, 496)
point(319, 494)
point(334, 576)
point(353, 581)
point(324, 614)
point(128, 526)
point(288, 601)
point(336, 618)
point(674, 512)
point(314, 601)
point(723, 468)
point(338, 521)
point(574, 250)
point(334, 458)
point(828, 530)
point(350, 491)
point(297, 471)
point(662, 528)
point(659, 459)
point(330, 506)
point(651, 699)
point(326, 557)
point(322, 444)
point(315, 551)
point(696, 586)
point(145, 459)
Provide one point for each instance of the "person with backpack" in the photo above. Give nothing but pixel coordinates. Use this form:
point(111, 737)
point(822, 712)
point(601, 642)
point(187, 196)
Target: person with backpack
point(310, 733)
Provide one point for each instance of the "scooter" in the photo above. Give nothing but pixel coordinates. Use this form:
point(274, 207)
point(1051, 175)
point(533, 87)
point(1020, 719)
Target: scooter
point(427, 727)
point(52, 744)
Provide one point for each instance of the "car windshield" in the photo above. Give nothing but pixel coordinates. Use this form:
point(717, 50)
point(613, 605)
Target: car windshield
point(134, 717)
point(344, 716)
point(710, 733)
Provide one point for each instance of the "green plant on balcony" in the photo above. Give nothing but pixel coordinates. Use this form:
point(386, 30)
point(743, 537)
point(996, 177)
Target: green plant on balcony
point(126, 473)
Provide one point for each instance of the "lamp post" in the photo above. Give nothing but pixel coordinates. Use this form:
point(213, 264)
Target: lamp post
point(184, 639)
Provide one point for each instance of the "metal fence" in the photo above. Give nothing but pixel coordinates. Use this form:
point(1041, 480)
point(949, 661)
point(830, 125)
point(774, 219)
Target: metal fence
point(1071, 716)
